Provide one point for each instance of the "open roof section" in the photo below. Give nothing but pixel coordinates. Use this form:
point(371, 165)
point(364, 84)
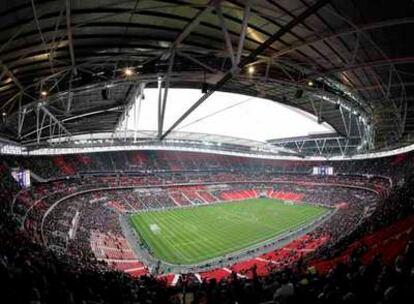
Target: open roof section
point(355, 52)
point(226, 114)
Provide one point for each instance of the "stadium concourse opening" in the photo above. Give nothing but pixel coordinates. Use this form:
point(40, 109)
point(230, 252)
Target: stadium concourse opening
point(206, 152)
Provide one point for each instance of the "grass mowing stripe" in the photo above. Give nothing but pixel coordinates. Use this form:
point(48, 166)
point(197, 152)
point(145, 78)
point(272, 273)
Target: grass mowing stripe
point(179, 250)
point(238, 247)
point(264, 237)
point(175, 222)
point(183, 244)
point(192, 235)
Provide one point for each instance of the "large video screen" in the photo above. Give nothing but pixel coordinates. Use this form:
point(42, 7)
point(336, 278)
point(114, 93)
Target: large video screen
point(22, 177)
point(323, 170)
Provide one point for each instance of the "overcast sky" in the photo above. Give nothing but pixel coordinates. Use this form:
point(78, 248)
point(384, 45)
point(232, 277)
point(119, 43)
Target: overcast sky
point(226, 114)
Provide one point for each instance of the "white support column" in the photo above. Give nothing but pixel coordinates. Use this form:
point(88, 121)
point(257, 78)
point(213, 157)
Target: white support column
point(340, 146)
point(70, 36)
point(159, 101)
point(21, 117)
point(47, 113)
point(164, 100)
point(344, 121)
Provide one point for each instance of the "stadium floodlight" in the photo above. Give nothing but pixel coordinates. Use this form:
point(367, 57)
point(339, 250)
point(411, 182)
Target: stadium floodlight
point(128, 71)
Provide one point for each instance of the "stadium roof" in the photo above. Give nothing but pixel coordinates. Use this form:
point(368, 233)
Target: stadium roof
point(76, 67)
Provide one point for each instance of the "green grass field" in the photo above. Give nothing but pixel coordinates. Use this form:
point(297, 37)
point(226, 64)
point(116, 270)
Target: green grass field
point(192, 235)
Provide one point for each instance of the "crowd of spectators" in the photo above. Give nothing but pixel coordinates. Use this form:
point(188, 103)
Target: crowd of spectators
point(32, 273)
point(95, 207)
point(52, 167)
point(91, 204)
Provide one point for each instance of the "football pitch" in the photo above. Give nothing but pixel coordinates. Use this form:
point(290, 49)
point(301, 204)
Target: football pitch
point(192, 235)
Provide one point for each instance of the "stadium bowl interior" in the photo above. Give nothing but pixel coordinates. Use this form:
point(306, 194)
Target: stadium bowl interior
point(243, 151)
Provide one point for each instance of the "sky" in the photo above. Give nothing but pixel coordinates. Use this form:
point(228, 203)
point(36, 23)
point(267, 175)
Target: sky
point(225, 114)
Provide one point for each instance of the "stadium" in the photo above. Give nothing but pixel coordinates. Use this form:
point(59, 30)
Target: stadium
point(206, 151)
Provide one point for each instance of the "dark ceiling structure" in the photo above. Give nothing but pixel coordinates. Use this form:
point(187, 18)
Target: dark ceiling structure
point(70, 67)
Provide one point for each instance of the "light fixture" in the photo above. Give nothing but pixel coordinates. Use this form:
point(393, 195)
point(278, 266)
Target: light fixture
point(128, 72)
point(310, 83)
point(43, 93)
point(250, 69)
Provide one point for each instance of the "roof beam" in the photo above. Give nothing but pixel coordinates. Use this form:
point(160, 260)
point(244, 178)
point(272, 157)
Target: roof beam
point(252, 56)
point(21, 28)
point(195, 60)
point(70, 36)
point(76, 117)
point(57, 121)
point(243, 31)
point(192, 24)
point(42, 37)
point(6, 71)
point(227, 39)
point(369, 64)
point(342, 32)
point(321, 145)
point(163, 103)
point(40, 125)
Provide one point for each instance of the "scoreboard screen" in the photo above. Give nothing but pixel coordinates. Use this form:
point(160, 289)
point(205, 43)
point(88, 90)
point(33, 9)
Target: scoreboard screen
point(22, 177)
point(323, 170)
